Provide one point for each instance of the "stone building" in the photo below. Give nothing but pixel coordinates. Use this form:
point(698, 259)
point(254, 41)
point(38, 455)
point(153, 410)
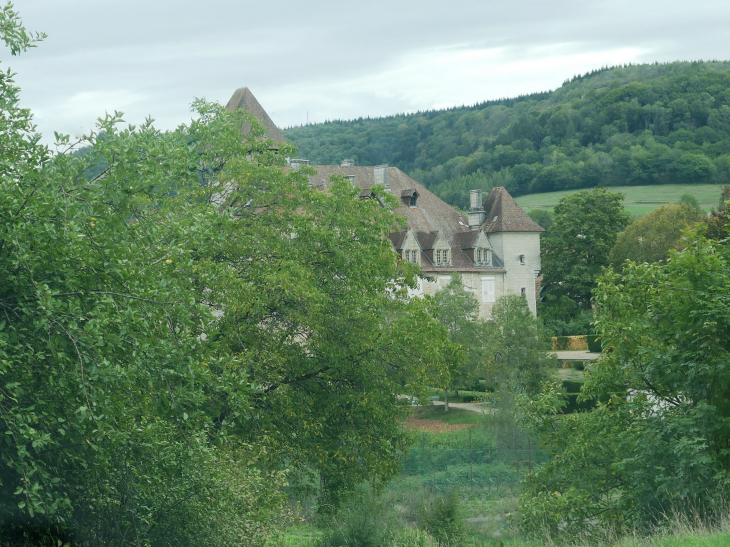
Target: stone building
point(495, 247)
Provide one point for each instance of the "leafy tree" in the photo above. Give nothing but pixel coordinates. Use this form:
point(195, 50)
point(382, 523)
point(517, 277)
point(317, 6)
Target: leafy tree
point(458, 310)
point(185, 330)
point(585, 228)
point(718, 219)
point(517, 345)
point(658, 442)
point(650, 238)
point(108, 398)
point(316, 310)
point(691, 201)
point(542, 216)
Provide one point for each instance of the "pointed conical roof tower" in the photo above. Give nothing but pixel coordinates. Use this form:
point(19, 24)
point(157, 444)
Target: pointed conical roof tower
point(504, 215)
point(244, 99)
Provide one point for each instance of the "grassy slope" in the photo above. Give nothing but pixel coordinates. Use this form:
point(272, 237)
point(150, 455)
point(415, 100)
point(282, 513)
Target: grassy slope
point(639, 199)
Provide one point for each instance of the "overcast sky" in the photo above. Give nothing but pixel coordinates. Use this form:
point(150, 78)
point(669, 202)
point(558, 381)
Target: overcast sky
point(335, 59)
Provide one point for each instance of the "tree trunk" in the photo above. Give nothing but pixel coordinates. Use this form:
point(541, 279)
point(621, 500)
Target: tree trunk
point(446, 400)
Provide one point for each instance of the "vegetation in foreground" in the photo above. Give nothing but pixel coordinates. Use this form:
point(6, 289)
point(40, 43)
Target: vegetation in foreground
point(188, 333)
point(436, 486)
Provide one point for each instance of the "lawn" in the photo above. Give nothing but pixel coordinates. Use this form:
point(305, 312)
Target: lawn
point(639, 199)
point(453, 416)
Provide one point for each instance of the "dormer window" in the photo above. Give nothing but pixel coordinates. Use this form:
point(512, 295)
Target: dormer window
point(411, 255)
point(409, 196)
point(482, 257)
point(443, 257)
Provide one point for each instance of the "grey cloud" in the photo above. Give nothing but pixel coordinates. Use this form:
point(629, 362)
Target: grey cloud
point(333, 59)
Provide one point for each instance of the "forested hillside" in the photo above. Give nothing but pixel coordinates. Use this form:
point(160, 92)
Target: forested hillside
point(632, 125)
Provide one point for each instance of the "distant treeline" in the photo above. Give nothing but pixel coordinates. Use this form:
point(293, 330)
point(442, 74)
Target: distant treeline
point(626, 125)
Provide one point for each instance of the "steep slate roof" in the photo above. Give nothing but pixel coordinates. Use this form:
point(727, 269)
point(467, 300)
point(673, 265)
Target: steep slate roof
point(510, 216)
point(431, 214)
point(426, 219)
point(244, 99)
point(397, 238)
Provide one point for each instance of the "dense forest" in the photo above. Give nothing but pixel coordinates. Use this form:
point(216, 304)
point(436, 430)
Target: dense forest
point(630, 125)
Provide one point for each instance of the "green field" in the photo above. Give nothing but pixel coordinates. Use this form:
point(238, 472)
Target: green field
point(639, 200)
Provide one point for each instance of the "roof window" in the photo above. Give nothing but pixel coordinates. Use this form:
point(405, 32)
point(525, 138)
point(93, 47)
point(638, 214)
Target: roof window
point(410, 197)
point(482, 257)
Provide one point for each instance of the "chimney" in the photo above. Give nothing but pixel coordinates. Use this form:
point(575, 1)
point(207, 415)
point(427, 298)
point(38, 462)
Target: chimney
point(381, 176)
point(296, 163)
point(477, 214)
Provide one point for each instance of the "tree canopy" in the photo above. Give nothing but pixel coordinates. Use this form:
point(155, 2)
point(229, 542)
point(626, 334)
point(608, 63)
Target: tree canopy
point(576, 248)
point(650, 238)
point(517, 347)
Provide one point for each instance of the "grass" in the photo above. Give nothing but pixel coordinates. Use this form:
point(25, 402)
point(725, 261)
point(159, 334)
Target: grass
point(570, 374)
point(691, 539)
point(301, 535)
point(453, 416)
point(639, 200)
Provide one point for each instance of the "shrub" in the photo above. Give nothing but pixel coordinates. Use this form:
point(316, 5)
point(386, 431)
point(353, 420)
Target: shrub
point(570, 343)
point(572, 386)
point(594, 343)
point(412, 537)
point(364, 522)
point(479, 385)
point(443, 520)
point(576, 406)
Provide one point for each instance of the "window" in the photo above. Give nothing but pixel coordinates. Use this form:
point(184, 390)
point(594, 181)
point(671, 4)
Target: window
point(411, 255)
point(442, 257)
point(413, 200)
point(522, 259)
point(483, 257)
point(523, 291)
point(488, 292)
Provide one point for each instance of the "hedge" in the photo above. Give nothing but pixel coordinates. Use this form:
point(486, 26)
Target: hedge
point(573, 388)
point(575, 406)
point(594, 343)
point(570, 343)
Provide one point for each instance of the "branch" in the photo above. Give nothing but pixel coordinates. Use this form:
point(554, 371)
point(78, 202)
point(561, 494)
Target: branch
point(117, 294)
